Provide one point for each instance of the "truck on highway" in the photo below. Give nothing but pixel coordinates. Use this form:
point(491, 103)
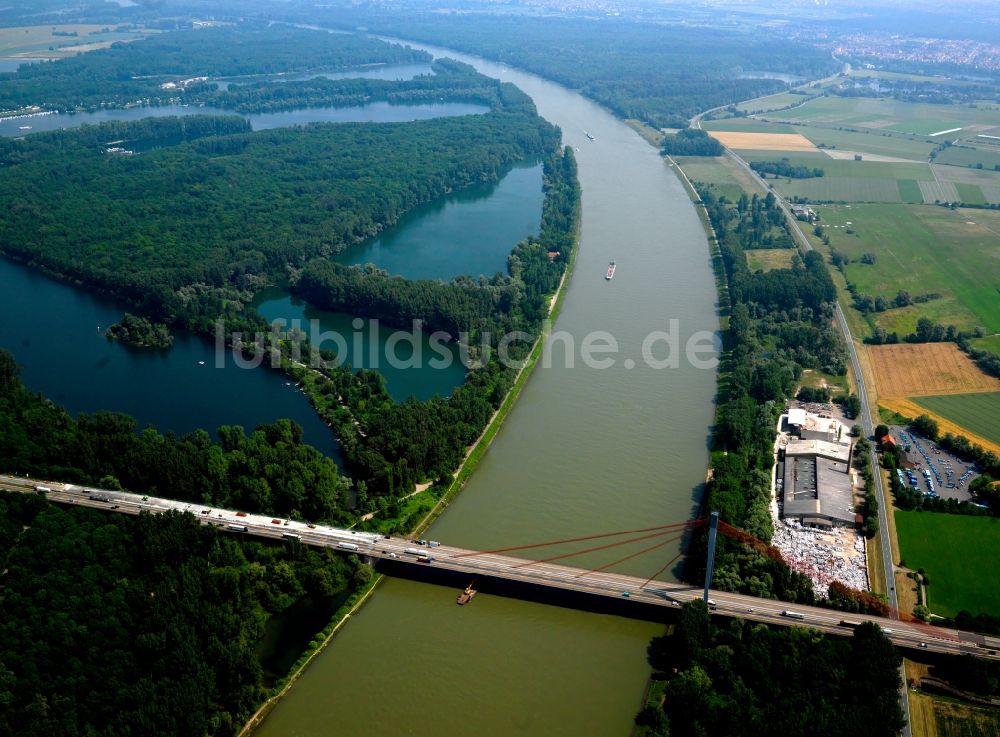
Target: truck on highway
point(792, 615)
point(292, 536)
point(347, 546)
point(424, 559)
point(237, 528)
point(42, 489)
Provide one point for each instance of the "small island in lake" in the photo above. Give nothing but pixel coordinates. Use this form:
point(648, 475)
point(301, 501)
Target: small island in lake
point(138, 331)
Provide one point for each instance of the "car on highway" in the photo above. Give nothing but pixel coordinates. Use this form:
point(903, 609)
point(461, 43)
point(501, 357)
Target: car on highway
point(923, 644)
point(626, 594)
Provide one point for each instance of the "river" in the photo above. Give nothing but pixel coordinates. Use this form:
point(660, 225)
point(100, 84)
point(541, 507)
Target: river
point(584, 450)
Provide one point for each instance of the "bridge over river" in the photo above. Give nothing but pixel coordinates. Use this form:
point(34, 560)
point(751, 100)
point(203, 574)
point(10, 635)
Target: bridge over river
point(623, 589)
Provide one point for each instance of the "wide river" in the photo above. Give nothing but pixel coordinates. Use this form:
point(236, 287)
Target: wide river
point(585, 450)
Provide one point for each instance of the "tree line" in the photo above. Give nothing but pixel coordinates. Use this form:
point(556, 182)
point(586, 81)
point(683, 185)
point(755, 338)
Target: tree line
point(748, 680)
point(785, 168)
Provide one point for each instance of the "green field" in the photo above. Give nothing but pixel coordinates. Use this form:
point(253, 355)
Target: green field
point(861, 169)
point(909, 191)
point(766, 259)
point(748, 125)
point(990, 343)
point(840, 189)
point(959, 554)
point(980, 413)
point(39, 41)
point(921, 249)
point(772, 102)
point(729, 179)
point(963, 155)
point(889, 114)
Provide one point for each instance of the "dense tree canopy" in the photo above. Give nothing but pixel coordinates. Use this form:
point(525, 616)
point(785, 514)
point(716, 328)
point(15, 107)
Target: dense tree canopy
point(186, 229)
point(749, 680)
point(137, 626)
point(660, 73)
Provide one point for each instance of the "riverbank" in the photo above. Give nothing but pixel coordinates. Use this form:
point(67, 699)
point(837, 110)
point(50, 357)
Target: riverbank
point(482, 444)
point(353, 604)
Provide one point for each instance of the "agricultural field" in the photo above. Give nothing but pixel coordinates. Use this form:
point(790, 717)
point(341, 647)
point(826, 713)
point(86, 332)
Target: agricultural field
point(773, 102)
point(962, 155)
point(939, 716)
point(39, 42)
point(971, 185)
point(890, 114)
point(841, 189)
point(980, 413)
point(960, 556)
point(907, 407)
point(990, 343)
point(767, 259)
point(962, 720)
point(752, 140)
point(922, 249)
point(746, 125)
point(730, 179)
point(925, 369)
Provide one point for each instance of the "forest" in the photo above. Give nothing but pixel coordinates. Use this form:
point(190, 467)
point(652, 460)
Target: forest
point(691, 142)
point(188, 232)
point(117, 625)
point(130, 72)
point(780, 322)
point(659, 73)
point(740, 679)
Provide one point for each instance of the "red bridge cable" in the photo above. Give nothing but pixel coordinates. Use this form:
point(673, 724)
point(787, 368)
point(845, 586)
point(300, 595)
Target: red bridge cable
point(592, 550)
point(665, 528)
point(633, 555)
point(669, 563)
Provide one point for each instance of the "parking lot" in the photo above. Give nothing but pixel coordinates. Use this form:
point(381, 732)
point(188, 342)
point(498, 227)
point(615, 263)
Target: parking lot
point(932, 470)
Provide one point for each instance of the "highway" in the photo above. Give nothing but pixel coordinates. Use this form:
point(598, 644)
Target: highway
point(624, 589)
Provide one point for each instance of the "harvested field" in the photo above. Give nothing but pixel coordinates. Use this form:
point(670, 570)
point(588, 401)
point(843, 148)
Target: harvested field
point(914, 369)
point(909, 408)
point(764, 141)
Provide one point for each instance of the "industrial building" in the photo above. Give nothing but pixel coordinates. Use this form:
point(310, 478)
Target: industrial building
point(816, 479)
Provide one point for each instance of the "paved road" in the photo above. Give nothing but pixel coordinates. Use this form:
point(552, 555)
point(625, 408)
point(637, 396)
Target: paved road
point(477, 563)
point(866, 419)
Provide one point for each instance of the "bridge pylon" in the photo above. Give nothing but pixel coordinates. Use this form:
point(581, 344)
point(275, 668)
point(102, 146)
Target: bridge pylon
point(713, 529)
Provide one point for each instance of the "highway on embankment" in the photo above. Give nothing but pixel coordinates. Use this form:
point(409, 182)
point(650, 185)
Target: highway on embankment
point(628, 590)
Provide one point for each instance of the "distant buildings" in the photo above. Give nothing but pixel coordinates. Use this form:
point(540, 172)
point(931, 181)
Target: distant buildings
point(814, 464)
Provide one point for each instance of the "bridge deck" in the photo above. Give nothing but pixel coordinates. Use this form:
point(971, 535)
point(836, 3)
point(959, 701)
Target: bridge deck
point(460, 560)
